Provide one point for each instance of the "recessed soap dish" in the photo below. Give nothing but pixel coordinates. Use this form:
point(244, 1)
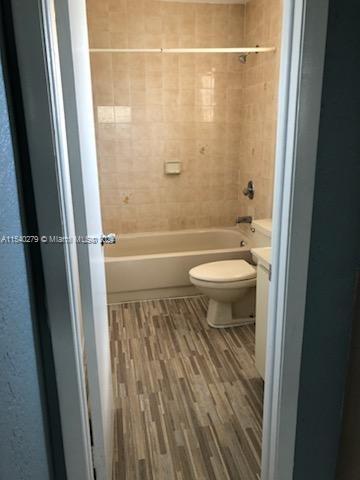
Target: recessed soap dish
point(172, 168)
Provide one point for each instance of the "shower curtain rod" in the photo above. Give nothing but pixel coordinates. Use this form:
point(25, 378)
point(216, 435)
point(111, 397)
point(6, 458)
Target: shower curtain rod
point(185, 50)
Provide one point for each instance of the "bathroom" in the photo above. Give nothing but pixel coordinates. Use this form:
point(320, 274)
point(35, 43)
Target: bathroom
point(186, 151)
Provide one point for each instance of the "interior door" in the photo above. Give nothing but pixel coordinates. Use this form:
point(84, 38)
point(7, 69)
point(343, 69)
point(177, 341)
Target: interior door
point(71, 26)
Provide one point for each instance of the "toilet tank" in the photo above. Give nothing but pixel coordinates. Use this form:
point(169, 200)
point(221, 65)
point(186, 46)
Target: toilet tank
point(261, 232)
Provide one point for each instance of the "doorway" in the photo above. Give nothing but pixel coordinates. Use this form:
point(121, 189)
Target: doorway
point(184, 122)
point(291, 11)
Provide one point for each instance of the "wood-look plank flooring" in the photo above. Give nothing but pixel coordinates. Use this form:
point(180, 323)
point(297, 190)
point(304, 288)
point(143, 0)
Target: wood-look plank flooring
point(188, 397)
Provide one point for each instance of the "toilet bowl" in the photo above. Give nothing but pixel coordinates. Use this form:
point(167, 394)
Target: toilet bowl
point(230, 285)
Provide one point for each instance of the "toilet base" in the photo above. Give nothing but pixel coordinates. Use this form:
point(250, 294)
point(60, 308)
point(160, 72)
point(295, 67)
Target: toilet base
point(225, 315)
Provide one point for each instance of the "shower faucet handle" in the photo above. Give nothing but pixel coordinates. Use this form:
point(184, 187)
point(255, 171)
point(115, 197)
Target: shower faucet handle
point(249, 191)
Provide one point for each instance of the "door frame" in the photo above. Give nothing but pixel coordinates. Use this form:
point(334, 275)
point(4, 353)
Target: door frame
point(302, 59)
point(49, 171)
point(301, 75)
point(57, 171)
point(70, 28)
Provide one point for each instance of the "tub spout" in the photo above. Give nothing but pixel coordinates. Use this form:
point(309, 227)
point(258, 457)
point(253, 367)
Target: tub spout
point(243, 220)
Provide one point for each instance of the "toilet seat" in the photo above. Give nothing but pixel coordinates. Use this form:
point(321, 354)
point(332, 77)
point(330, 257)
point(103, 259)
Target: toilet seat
point(225, 272)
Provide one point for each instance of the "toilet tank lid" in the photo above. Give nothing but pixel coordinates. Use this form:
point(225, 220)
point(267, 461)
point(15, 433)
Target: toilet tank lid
point(224, 271)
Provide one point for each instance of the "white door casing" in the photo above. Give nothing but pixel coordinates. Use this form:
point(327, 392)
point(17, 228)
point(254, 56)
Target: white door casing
point(72, 36)
point(301, 73)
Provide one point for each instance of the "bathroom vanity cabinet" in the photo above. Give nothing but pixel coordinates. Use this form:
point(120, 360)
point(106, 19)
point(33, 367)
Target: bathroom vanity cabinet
point(262, 256)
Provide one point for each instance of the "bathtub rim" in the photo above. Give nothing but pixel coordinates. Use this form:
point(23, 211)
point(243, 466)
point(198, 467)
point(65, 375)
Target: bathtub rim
point(236, 229)
point(137, 235)
point(186, 253)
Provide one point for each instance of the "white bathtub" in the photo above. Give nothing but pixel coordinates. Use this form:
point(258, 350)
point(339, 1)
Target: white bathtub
point(156, 265)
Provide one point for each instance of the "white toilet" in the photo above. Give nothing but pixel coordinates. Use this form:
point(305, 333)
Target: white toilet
point(230, 285)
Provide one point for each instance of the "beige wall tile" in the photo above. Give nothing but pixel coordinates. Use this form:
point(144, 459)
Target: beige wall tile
point(259, 91)
point(212, 113)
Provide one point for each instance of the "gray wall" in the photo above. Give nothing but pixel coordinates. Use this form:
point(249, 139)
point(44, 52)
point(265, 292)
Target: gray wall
point(23, 453)
point(334, 254)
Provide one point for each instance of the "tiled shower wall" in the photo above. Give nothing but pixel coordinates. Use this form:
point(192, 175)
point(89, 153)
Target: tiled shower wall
point(152, 108)
point(259, 100)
